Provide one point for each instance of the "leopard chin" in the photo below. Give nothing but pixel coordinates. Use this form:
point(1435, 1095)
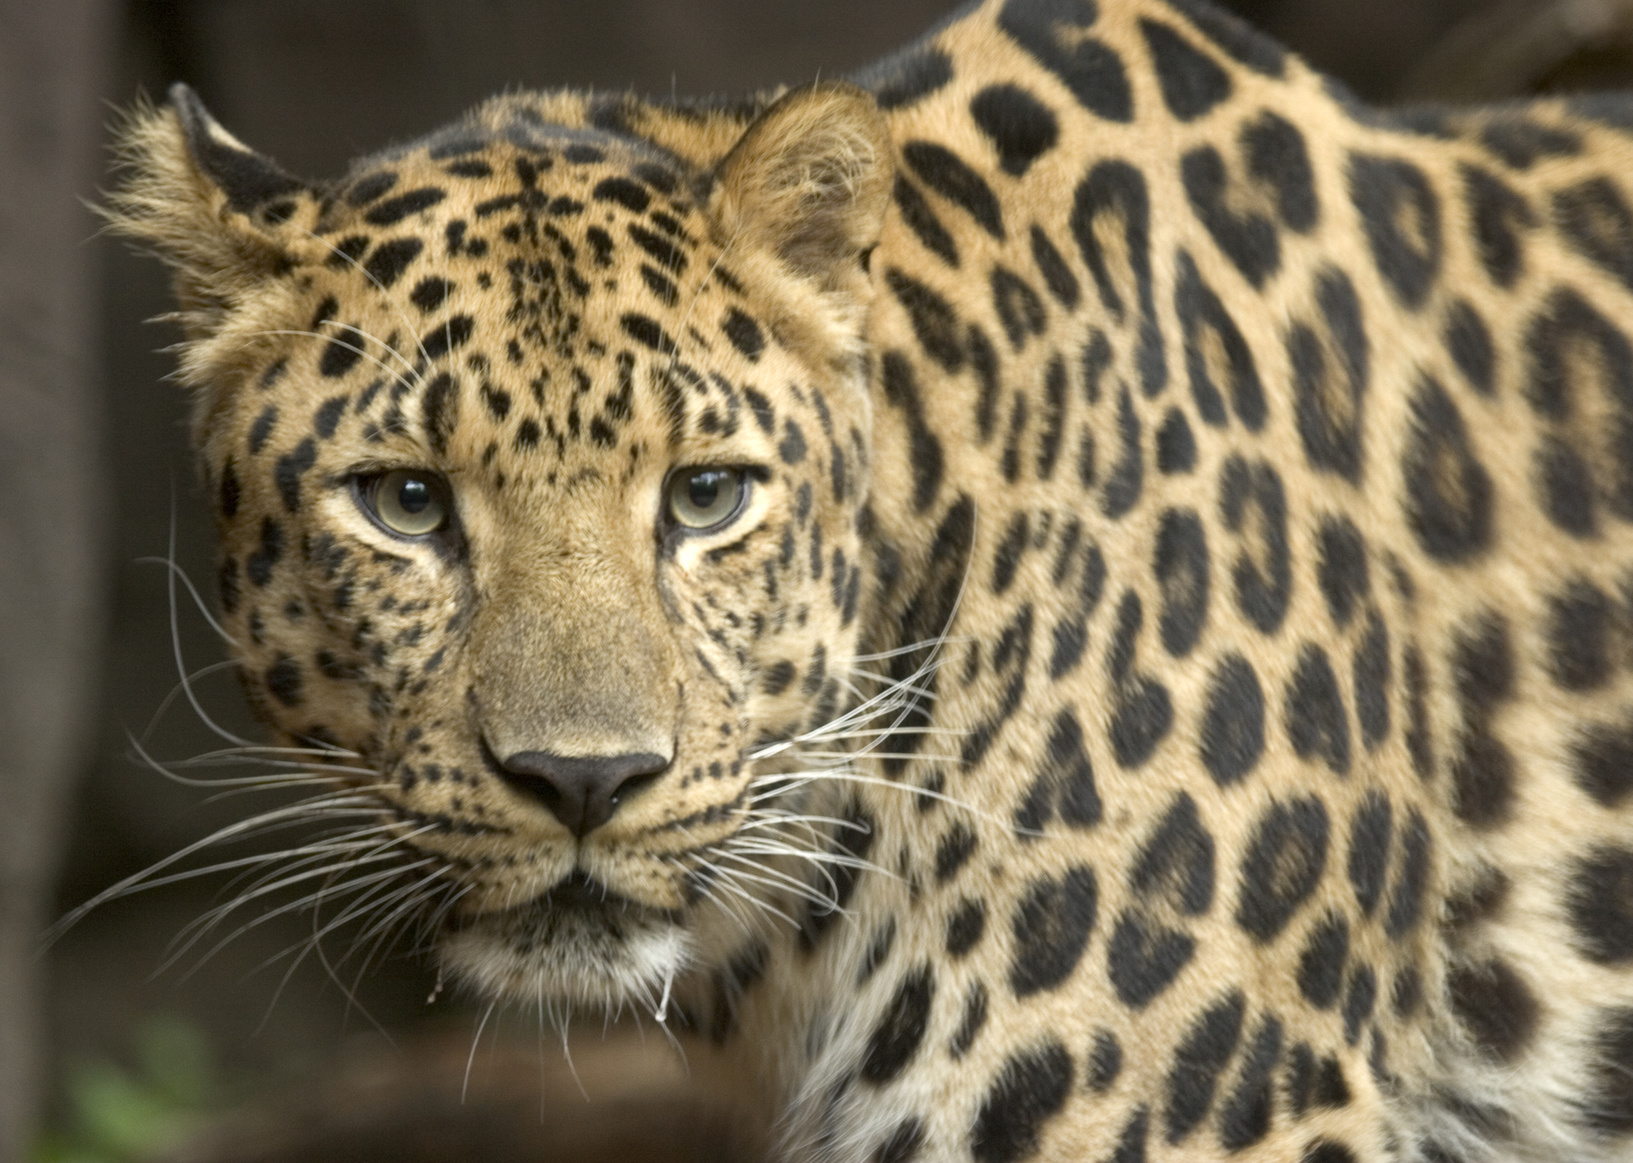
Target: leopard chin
point(576, 945)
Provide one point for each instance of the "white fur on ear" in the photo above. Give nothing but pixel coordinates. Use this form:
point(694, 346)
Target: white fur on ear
point(206, 204)
point(228, 222)
point(246, 178)
point(808, 182)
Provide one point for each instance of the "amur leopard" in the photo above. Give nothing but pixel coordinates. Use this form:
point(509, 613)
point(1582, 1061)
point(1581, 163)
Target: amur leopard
point(1069, 596)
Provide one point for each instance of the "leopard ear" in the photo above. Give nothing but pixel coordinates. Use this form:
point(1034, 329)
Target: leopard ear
point(808, 182)
point(223, 216)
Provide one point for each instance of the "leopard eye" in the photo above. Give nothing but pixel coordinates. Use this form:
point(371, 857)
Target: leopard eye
point(701, 498)
point(410, 502)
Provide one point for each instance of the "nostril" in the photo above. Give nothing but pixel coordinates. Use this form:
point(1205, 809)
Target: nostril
point(637, 780)
point(582, 791)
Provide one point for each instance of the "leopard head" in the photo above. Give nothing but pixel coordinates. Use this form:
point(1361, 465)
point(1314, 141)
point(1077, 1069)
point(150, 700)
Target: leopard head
point(540, 455)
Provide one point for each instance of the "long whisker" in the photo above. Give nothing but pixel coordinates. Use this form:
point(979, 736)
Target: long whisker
point(297, 332)
point(165, 703)
point(415, 897)
point(697, 294)
point(834, 821)
point(809, 856)
point(352, 851)
point(775, 879)
point(175, 638)
point(910, 648)
point(477, 1041)
point(199, 603)
point(352, 884)
point(293, 814)
point(727, 880)
point(312, 945)
point(266, 749)
point(298, 775)
point(836, 774)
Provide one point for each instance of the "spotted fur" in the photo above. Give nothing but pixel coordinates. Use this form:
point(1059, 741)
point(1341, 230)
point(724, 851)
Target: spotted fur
point(1167, 693)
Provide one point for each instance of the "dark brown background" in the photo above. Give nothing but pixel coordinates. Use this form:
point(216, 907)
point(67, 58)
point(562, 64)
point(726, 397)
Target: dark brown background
point(94, 472)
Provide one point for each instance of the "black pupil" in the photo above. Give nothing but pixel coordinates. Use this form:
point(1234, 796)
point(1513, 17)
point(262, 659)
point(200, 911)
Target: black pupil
point(414, 496)
point(703, 490)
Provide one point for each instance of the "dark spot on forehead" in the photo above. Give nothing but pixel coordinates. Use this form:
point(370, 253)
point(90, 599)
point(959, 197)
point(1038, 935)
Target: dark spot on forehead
point(325, 312)
point(646, 330)
point(400, 207)
point(660, 178)
point(429, 293)
point(665, 252)
point(370, 187)
point(628, 194)
point(660, 284)
point(457, 140)
point(440, 411)
point(348, 250)
point(602, 244)
point(440, 340)
point(386, 265)
point(327, 417)
point(291, 467)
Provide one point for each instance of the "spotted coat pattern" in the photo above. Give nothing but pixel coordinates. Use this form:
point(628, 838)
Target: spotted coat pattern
point(1227, 489)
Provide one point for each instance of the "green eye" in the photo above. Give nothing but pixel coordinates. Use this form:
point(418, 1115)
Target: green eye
point(700, 498)
point(411, 502)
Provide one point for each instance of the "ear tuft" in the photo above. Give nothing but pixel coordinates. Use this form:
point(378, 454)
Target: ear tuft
point(221, 215)
point(808, 181)
point(245, 177)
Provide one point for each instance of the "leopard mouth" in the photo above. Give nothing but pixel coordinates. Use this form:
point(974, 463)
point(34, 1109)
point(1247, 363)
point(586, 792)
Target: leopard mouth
point(578, 942)
point(580, 894)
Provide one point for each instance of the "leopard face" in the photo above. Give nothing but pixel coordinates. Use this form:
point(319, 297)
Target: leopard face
point(504, 434)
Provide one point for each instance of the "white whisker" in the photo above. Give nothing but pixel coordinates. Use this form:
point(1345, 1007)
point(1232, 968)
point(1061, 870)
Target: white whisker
point(175, 636)
point(475, 1042)
point(178, 573)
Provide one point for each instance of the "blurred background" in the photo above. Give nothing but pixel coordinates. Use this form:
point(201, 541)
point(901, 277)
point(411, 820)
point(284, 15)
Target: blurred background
point(106, 1051)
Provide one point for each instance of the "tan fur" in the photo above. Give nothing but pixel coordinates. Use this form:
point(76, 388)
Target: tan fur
point(970, 493)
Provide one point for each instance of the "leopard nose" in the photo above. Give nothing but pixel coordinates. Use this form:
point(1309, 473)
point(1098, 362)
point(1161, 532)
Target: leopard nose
point(582, 791)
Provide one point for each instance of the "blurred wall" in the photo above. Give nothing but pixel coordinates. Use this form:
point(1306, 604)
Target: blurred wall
point(92, 441)
point(52, 492)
